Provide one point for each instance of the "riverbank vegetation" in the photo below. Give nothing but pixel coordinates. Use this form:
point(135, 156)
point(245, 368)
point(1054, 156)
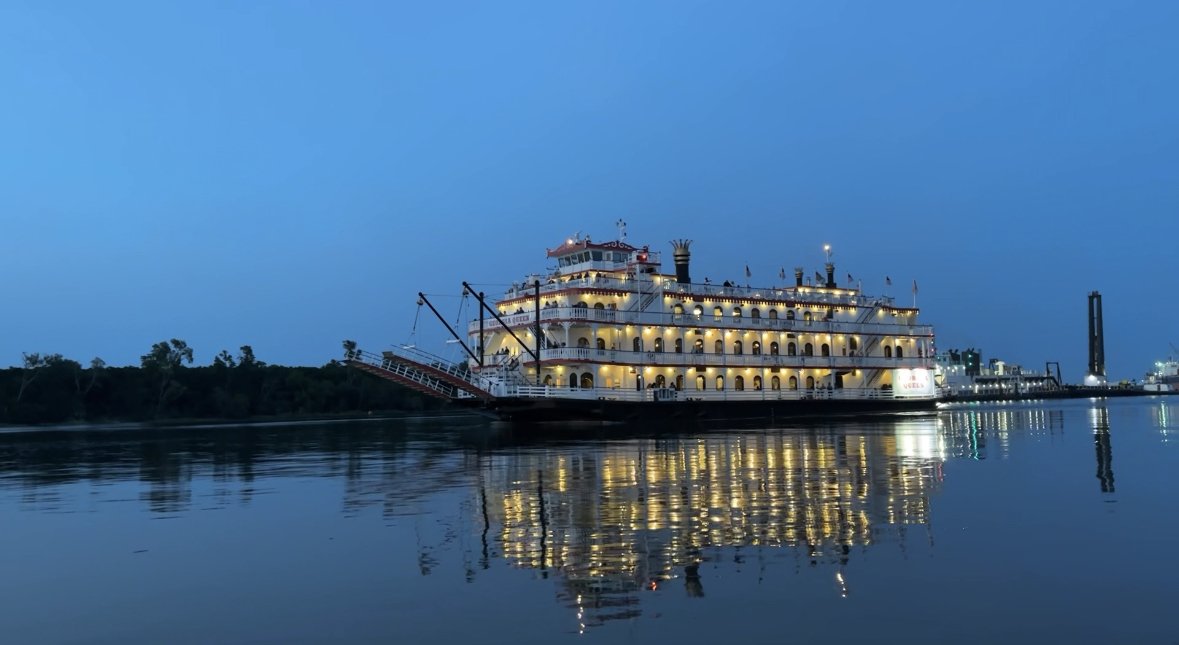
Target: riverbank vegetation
point(50, 388)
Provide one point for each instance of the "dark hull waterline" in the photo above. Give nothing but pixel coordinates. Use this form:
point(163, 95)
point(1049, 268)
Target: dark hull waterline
point(540, 410)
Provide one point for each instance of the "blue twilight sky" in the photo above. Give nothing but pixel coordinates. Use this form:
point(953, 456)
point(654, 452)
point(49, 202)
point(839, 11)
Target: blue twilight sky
point(289, 174)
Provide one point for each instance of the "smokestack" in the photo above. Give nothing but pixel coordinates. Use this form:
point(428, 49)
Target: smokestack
point(1096, 337)
point(682, 256)
point(798, 276)
point(830, 275)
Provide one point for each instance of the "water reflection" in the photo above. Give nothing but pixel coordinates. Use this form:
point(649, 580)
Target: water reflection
point(606, 517)
point(969, 429)
point(1099, 416)
point(629, 516)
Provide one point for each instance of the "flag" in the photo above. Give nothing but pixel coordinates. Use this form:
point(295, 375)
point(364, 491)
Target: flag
point(747, 272)
point(782, 273)
point(850, 279)
point(914, 287)
point(818, 277)
point(887, 281)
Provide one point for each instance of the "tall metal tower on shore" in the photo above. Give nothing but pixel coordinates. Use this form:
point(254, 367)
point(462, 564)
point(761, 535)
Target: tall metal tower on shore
point(1096, 374)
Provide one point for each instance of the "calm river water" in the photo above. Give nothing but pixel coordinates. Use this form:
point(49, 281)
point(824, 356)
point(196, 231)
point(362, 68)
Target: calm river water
point(1052, 522)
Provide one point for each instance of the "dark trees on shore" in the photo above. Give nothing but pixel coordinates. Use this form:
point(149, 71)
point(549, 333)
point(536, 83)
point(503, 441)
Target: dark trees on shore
point(48, 388)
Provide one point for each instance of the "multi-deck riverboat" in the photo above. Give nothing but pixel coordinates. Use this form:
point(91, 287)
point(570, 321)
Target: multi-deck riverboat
point(608, 335)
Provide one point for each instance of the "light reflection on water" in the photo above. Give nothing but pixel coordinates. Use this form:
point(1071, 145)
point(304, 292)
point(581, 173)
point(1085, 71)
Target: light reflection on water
point(610, 518)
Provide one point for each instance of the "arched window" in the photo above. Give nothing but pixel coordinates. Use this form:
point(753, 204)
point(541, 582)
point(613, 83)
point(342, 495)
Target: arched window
point(679, 345)
point(808, 350)
point(660, 381)
point(774, 348)
point(679, 382)
point(887, 351)
point(677, 310)
point(698, 346)
point(791, 349)
point(720, 382)
point(810, 382)
point(794, 382)
point(900, 352)
point(773, 314)
point(573, 380)
point(700, 385)
point(737, 347)
point(548, 379)
point(718, 347)
point(587, 380)
point(698, 311)
point(775, 383)
point(601, 343)
point(755, 314)
point(806, 318)
point(789, 314)
point(718, 313)
point(756, 347)
point(638, 344)
point(658, 344)
point(739, 383)
point(736, 313)
point(599, 306)
point(852, 344)
point(826, 349)
point(757, 383)
point(583, 342)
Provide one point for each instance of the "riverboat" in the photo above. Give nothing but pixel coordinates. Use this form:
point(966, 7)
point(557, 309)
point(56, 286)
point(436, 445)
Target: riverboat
point(607, 335)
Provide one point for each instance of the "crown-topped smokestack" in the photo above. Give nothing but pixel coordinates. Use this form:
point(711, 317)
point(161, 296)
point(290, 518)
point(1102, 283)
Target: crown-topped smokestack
point(831, 275)
point(682, 255)
point(798, 276)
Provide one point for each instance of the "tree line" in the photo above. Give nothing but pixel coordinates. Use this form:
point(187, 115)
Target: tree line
point(50, 388)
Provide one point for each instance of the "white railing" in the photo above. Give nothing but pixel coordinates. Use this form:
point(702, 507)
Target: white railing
point(672, 359)
point(585, 315)
point(651, 394)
